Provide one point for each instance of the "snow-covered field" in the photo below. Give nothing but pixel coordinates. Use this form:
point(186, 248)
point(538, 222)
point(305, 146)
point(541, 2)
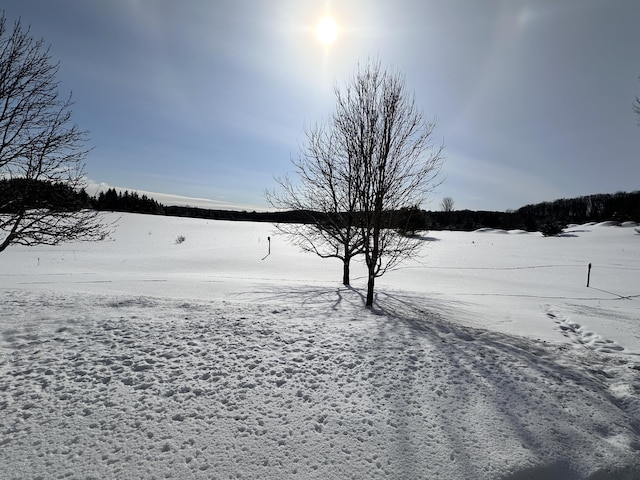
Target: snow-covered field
point(486, 358)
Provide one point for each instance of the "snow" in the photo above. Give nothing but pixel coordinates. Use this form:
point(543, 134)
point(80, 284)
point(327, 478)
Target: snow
point(487, 357)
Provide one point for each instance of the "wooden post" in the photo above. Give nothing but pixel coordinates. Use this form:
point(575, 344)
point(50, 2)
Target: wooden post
point(588, 275)
point(269, 241)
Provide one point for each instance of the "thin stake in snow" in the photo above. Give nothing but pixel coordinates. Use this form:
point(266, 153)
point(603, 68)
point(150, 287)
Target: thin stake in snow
point(588, 275)
point(269, 248)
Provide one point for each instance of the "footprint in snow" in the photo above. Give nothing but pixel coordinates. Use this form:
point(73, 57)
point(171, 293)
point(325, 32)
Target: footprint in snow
point(580, 335)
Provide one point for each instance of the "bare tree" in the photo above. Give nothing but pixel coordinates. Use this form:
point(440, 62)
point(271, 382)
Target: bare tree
point(387, 140)
point(38, 143)
point(325, 195)
point(360, 173)
point(446, 205)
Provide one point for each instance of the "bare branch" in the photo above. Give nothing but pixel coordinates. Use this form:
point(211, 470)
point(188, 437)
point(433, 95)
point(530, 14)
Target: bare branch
point(325, 194)
point(390, 142)
point(38, 143)
point(374, 157)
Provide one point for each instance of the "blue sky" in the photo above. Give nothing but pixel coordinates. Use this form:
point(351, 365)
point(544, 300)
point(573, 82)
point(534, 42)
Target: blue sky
point(209, 98)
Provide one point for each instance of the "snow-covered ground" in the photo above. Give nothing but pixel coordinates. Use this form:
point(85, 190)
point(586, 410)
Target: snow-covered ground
point(485, 358)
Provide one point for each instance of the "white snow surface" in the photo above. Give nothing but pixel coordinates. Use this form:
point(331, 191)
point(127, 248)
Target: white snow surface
point(487, 357)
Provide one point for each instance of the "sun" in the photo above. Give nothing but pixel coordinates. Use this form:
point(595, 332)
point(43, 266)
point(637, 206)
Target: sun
point(326, 30)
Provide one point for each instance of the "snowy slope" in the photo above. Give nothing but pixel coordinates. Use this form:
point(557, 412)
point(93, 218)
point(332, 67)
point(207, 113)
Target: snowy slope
point(485, 358)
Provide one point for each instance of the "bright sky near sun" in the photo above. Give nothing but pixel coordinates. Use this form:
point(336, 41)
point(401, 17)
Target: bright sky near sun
point(209, 99)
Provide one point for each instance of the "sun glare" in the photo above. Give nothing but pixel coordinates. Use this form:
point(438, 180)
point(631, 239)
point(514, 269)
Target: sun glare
point(326, 30)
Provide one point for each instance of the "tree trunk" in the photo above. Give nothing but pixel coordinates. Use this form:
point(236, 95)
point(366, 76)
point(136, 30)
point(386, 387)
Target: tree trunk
point(345, 272)
point(370, 286)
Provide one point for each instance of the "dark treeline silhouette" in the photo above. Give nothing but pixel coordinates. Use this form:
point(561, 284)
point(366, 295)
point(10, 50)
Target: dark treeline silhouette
point(126, 202)
point(620, 206)
point(469, 220)
point(544, 216)
point(18, 192)
point(242, 216)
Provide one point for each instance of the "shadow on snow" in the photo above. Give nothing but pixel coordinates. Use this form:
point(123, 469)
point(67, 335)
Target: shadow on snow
point(538, 402)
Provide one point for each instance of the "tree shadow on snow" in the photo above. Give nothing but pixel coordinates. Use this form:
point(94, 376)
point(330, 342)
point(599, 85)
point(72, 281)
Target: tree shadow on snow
point(532, 394)
point(539, 401)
